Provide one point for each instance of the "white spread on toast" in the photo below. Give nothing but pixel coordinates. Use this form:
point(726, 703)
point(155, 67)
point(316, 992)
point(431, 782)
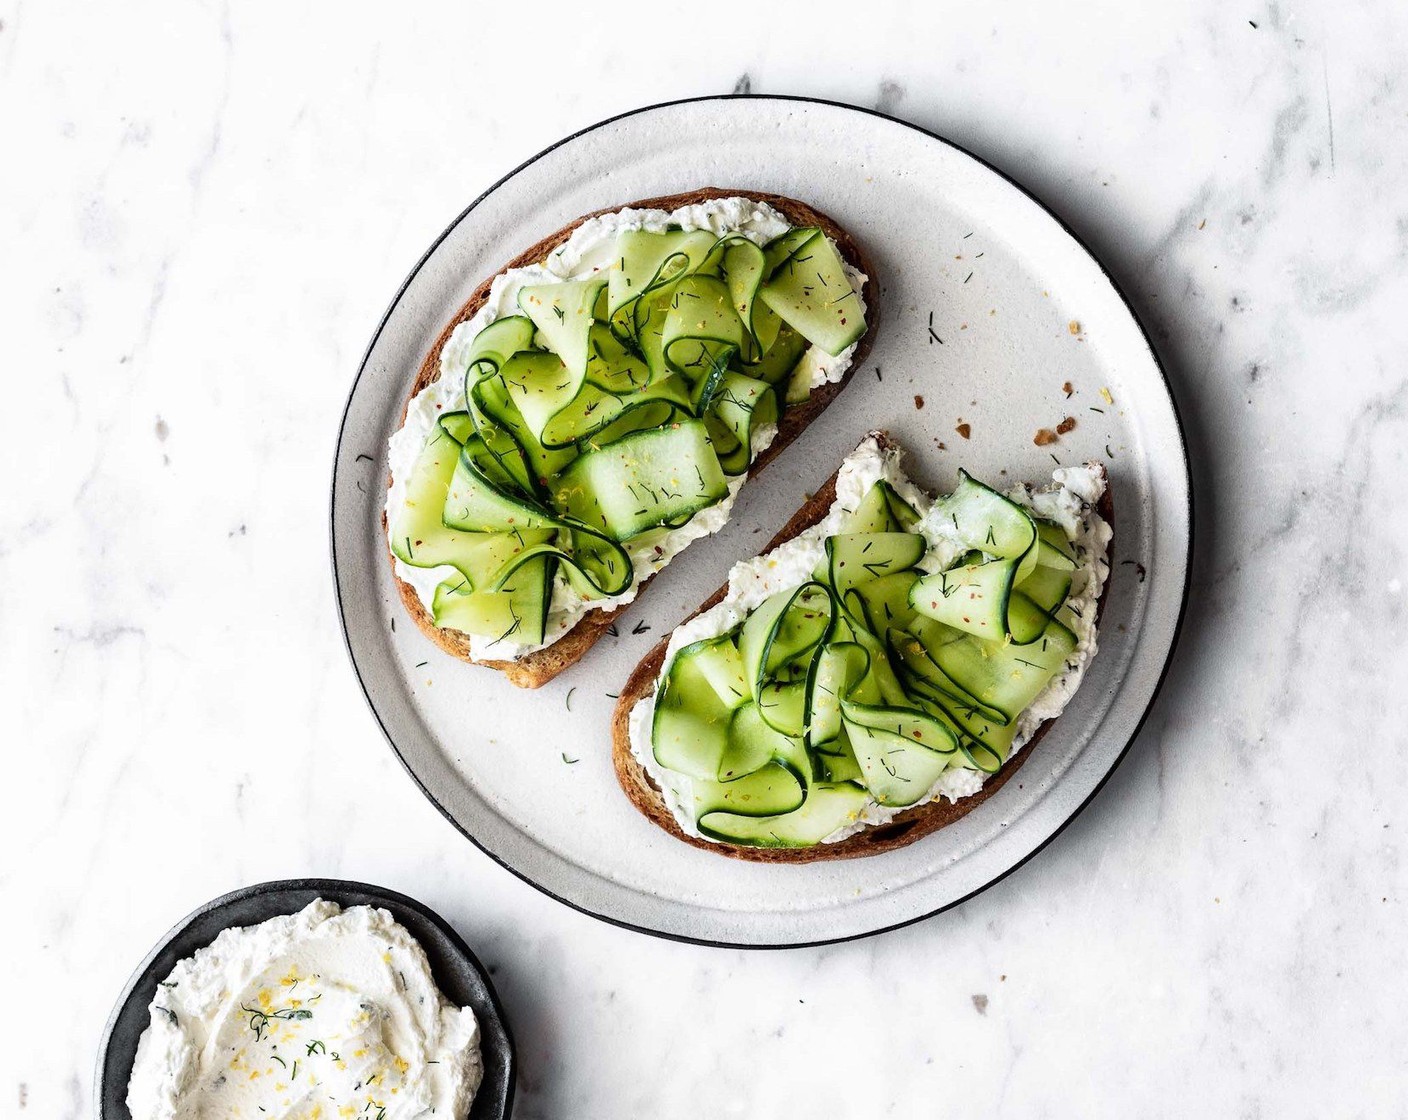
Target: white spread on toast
point(589, 249)
point(1069, 501)
point(327, 1012)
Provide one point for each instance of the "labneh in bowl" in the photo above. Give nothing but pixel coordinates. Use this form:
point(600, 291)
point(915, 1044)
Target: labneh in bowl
point(456, 971)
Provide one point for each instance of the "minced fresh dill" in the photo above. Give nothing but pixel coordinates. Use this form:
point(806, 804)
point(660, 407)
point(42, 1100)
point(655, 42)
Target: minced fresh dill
point(260, 1020)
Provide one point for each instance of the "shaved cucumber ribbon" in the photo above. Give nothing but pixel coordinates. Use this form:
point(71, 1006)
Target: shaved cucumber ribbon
point(842, 683)
point(680, 334)
point(478, 502)
point(979, 595)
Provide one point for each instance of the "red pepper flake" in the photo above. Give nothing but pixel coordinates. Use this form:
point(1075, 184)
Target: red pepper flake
point(1065, 425)
point(918, 401)
point(965, 430)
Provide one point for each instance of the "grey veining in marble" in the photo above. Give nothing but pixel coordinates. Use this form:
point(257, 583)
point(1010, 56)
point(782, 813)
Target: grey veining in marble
point(203, 211)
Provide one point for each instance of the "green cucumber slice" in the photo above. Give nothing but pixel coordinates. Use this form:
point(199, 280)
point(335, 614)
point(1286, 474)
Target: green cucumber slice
point(1046, 587)
point(780, 359)
point(489, 352)
point(661, 476)
point(784, 245)
point(648, 261)
point(1055, 549)
point(744, 270)
point(799, 385)
point(752, 744)
point(785, 633)
point(495, 344)
point(594, 565)
point(459, 426)
point(828, 807)
point(909, 725)
point(1005, 677)
point(834, 673)
point(740, 405)
point(785, 629)
point(510, 439)
point(562, 312)
point(540, 386)
point(987, 521)
point(419, 536)
point(983, 743)
point(897, 772)
point(882, 673)
point(701, 335)
point(925, 678)
point(879, 726)
point(810, 291)
point(840, 767)
point(886, 601)
point(772, 789)
point(475, 502)
point(853, 559)
point(613, 366)
point(598, 417)
point(563, 413)
point(783, 704)
point(973, 597)
point(976, 594)
point(1026, 621)
point(517, 607)
point(690, 728)
point(720, 663)
point(882, 510)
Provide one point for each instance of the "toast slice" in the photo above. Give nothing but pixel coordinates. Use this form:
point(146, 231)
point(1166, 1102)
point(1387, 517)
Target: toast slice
point(535, 669)
point(906, 827)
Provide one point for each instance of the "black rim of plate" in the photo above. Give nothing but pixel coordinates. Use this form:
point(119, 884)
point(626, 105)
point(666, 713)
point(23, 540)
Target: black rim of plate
point(493, 1101)
point(1075, 237)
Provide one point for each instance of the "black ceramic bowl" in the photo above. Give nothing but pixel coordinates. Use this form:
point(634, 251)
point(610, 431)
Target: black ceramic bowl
point(456, 970)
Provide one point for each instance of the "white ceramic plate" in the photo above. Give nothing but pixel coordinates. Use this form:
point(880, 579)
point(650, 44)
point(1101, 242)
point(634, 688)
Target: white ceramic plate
point(1022, 309)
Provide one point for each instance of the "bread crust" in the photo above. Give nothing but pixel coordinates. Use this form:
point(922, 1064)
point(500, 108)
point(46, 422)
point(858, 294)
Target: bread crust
point(905, 828)
point(536, 669)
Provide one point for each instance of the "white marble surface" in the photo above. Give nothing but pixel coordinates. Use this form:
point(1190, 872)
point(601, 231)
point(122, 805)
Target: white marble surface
point(204, 209)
